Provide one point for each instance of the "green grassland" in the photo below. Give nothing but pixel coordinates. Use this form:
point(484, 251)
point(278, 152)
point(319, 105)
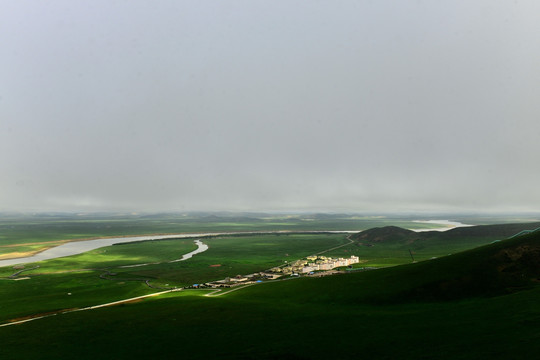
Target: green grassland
point(79, 275)
point(478, 304)
point(457, 306)
point(38, 232)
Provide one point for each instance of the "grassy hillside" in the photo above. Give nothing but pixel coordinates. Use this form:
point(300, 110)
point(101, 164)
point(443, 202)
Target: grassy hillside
point(479, 304)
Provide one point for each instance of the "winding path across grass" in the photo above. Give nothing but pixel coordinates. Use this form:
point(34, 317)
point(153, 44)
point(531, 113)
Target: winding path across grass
point(17, 322)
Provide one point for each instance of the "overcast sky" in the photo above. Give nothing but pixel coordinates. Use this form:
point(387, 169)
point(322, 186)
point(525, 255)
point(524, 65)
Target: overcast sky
point(363, 106)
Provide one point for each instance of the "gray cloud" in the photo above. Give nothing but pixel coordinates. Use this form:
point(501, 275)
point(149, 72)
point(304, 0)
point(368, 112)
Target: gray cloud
point(252, 105)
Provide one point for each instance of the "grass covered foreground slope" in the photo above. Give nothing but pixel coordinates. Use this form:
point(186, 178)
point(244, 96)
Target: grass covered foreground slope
point(479, 304)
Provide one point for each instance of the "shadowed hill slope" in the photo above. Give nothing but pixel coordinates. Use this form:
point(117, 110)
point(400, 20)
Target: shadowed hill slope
point(500, 268)
point(503, 267)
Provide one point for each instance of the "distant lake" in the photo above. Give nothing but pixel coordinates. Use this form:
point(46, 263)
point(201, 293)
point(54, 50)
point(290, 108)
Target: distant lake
point(447, 225)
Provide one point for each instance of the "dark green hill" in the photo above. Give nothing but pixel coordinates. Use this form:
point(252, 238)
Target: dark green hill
point(385, 234)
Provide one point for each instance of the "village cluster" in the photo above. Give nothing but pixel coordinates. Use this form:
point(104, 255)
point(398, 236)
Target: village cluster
point(312, 265)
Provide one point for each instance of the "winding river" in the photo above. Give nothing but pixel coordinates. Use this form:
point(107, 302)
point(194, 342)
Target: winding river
point(200, 248)
point(78, 247)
